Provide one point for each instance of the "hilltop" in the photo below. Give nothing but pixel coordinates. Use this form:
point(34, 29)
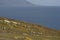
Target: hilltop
point(11, 29)
point(16, 3)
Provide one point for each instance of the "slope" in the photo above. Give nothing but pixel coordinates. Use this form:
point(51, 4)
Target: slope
point(19, 3)
point(11, 29)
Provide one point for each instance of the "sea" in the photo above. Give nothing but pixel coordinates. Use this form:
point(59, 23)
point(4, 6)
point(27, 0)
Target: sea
point(46, 16)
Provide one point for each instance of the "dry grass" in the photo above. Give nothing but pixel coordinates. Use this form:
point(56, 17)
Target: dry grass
point(19, 30)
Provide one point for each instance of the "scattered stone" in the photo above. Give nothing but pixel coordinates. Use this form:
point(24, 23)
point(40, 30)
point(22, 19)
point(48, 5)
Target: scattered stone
point(7, 21)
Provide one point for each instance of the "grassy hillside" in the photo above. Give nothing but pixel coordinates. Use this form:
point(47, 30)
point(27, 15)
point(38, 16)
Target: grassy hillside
point(11, 29)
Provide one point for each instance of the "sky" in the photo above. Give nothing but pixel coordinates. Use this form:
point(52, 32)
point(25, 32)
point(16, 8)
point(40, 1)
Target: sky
point(29, 2)
point(45, 2)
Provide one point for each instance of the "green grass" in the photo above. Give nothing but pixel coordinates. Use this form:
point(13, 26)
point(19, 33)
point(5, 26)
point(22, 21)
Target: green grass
point(26, 31)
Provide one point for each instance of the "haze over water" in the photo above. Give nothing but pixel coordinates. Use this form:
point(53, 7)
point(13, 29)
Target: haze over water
point(47, 16)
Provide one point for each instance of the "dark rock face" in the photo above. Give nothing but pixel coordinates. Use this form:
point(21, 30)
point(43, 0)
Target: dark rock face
point(11, 29)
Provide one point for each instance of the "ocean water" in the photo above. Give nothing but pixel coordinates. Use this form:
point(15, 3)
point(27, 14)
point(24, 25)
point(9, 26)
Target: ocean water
point(47, 16)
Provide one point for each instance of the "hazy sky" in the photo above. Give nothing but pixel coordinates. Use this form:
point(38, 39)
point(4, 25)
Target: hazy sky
point(45, 2)
point(29, 2)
